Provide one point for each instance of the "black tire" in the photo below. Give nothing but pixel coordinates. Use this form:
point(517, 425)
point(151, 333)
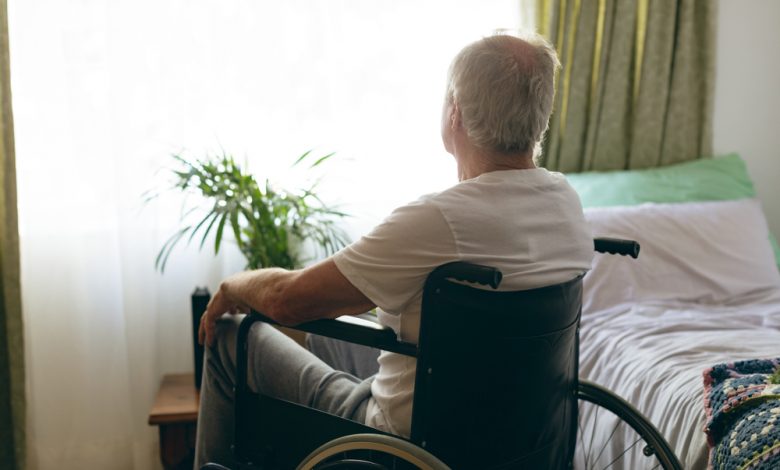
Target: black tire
point(592, 400)
point(370, 451)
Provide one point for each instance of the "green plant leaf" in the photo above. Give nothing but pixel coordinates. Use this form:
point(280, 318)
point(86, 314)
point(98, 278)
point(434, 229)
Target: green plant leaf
point(162, 257)
point(149, 195)
point(210, 214)
point(322, 159)
point(221, 227)
point(303, 157)
point(208, 229)
point(236, 228)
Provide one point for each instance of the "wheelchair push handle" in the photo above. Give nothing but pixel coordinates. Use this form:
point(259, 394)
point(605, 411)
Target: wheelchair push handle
point(616, 246)
point(463, 271)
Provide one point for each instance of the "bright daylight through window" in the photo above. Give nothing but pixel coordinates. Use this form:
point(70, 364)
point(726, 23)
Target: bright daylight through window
point(105, 91)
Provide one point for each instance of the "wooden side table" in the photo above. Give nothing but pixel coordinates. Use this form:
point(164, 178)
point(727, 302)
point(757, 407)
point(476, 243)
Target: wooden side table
point(175, 411)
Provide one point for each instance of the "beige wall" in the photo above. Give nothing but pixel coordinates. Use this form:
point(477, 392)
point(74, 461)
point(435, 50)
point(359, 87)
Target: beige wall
point(747, 94)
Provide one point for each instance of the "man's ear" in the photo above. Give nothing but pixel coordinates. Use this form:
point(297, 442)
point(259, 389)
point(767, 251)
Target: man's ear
point(454, 117)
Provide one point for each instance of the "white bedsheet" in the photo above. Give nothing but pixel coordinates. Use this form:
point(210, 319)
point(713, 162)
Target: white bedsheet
point(653, 355)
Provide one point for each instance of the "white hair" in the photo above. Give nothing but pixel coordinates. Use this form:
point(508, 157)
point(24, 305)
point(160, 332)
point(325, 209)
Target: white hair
point(504, 87)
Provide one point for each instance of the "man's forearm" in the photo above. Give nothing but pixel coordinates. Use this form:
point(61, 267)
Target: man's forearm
point(263, 290)
point(288, 297)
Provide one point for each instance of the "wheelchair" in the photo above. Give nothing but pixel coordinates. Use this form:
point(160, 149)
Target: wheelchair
point(520, 408)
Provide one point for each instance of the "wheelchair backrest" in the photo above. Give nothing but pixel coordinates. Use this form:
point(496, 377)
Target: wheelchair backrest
point(497, 373)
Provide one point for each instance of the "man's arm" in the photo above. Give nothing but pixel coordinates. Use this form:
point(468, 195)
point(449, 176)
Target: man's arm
point(288, 297)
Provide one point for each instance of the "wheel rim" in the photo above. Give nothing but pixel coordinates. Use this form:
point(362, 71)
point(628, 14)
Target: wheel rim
point(388, 445)
point(613, 434)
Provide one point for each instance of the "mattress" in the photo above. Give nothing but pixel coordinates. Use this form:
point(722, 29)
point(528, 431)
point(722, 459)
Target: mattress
point(653, 354)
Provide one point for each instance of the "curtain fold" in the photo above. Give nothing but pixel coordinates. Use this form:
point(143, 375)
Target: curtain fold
point(636, 87)
point(12, 392)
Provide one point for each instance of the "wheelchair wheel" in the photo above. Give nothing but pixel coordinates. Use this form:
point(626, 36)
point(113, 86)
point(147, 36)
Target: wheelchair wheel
point(370, 452)
point(613, 434)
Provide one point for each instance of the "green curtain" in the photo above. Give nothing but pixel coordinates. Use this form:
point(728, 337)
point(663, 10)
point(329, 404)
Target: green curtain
point(12, 400)
point(636, 86)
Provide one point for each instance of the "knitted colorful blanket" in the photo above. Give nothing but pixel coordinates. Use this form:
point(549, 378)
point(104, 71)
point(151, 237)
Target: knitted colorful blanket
point(743, 413)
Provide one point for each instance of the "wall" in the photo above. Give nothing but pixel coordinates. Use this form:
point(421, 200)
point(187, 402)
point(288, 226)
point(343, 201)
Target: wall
point(747, 98)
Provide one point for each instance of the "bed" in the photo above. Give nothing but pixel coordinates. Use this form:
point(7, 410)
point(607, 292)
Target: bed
point(704, 291)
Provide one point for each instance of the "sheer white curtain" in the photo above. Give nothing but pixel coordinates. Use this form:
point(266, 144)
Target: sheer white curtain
point(105, 90)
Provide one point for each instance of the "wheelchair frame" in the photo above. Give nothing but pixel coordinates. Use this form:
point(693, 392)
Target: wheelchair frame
point(367, 333)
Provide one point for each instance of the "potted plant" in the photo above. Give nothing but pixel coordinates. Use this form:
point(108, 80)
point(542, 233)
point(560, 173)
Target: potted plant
point(268, 224)
point(271, 226)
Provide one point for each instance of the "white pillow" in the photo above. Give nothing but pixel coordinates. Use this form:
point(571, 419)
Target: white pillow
point(708, 252)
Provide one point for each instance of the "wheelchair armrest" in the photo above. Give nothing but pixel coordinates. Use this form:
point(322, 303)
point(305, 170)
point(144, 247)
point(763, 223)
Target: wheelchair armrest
point(352, 330)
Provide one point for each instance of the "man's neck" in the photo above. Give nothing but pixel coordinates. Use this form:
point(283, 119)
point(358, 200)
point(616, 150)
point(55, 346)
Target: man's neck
point(475, 163)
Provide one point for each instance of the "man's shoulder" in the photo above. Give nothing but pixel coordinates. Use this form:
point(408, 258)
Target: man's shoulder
point(498, 182)
point(516, 188)
point(427, 203)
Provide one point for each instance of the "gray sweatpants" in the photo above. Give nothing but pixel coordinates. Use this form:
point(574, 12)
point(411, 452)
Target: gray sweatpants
point(278, 367)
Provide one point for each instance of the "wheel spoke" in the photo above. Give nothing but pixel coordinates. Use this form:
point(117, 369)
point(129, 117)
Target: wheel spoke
point(593, 434)
point(624, 452)
point(609, 439)
point(579, 425)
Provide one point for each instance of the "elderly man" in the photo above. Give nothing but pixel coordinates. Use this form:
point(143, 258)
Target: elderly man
point(504, 212)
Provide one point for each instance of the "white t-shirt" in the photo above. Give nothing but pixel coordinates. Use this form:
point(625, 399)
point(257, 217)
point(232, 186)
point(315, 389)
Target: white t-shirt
point(527, 223)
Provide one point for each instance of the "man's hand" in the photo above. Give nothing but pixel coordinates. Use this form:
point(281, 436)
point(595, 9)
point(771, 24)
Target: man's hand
point(220, 304)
